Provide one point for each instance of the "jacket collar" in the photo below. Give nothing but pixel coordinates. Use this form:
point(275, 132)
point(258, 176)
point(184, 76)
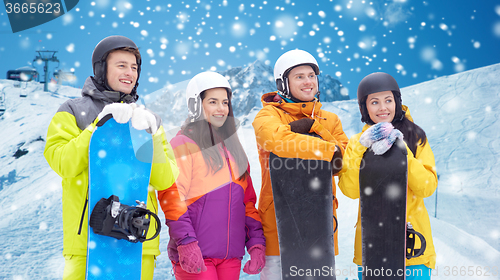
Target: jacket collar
point(309, 109)
point(407, 114)
point(96, 92)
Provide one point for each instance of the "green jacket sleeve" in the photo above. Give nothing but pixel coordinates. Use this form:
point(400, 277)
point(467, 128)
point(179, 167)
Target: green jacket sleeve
point(66, 149)
point(164, 170)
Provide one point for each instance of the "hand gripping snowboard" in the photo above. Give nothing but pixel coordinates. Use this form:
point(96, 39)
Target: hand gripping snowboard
point(383, 187)
point(303, 202)
point(120, 159)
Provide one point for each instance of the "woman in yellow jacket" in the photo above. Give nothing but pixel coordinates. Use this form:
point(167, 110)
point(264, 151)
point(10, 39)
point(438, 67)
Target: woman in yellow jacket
point(380, 103)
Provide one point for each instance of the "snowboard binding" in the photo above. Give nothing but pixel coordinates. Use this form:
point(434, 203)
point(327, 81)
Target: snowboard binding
point(111, 218)
point(411, 252)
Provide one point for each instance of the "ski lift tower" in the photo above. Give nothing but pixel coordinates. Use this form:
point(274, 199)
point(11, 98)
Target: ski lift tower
point(46, 56)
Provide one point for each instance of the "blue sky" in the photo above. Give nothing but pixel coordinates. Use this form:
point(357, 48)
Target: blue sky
point(414, 41)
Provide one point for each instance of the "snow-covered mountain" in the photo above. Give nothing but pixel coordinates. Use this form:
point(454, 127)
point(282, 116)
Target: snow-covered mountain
point(459, 113)
point(248, 85)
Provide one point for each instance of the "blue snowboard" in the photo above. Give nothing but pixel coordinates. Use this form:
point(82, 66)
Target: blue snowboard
point(120, 159)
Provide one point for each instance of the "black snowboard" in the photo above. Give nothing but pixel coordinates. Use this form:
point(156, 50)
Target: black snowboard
point(382, 187)
point(302, 192)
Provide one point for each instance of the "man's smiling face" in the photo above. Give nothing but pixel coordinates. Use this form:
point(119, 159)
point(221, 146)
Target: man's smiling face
point(303, 83)
point(121, 71)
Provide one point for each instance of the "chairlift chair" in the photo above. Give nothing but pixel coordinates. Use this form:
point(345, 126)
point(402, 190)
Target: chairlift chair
point(21, 76)
point(2, 102)
point(24, 92)
point(64, 76)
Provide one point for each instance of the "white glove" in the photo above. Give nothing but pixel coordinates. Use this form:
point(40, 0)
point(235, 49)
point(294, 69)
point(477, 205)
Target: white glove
point(144, 119)
point(121, 112)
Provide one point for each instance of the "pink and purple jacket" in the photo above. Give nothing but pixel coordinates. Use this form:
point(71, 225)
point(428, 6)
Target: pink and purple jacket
point(215, 209)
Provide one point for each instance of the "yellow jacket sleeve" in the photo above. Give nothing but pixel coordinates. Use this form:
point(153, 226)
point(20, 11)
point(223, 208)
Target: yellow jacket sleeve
point(164, 171)
point(422, 175)
point(349, 175)
point(67, 146)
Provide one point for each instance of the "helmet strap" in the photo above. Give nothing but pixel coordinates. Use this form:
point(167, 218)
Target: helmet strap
point(317, 83)
point(194, 108)
point(286, 89)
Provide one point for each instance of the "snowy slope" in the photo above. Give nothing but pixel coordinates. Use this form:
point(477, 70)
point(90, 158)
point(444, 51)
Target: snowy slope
point(30, 192)
point(459, 114)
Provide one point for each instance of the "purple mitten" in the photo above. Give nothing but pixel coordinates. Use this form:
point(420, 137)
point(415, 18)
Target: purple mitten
point(383, 145)
point(191, 259)
point(257, 259)
point(375, 133)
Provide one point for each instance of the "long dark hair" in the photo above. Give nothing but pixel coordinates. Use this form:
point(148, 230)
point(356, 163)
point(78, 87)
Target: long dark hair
point(413, 134)
point(206, 136)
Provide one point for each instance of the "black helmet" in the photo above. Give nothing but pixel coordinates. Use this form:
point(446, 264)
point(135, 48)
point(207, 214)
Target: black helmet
point(377, 82)
point(101, 52)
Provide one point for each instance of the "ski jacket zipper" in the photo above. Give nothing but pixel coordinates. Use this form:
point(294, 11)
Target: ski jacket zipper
point(83, 212)
point(229, 202)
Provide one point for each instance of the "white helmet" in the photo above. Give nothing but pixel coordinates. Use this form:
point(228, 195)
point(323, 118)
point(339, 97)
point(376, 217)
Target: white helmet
point(286, 62)
point(200, 83)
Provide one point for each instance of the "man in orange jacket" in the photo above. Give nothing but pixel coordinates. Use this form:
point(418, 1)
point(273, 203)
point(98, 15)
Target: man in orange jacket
point(287, 115)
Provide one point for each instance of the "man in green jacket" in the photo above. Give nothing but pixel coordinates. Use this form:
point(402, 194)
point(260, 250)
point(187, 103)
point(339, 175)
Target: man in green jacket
point(112, 90)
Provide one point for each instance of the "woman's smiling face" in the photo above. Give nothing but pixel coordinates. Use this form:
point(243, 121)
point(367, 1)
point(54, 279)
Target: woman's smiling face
point(216, 106)
point(381, 106)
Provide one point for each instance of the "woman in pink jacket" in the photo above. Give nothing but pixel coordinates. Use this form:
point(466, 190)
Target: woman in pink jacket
point(210, 210)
